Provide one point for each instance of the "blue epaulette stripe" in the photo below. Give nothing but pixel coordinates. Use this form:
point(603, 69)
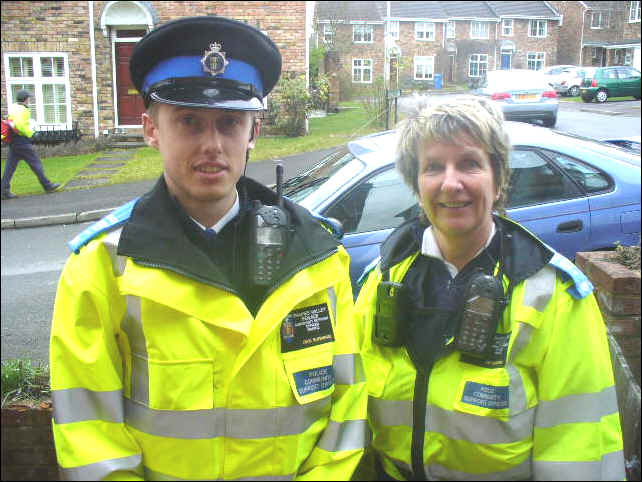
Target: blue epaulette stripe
point(582, 286)
point(367, 270)
point(114, 219)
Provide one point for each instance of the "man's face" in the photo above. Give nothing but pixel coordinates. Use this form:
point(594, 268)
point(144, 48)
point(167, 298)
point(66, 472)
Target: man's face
point(203, 152)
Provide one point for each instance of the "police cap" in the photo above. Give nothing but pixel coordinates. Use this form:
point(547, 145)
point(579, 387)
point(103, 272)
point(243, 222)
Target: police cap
point(212, 62)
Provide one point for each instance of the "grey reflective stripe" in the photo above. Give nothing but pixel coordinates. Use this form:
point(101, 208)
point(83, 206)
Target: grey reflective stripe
point(332, 295)
point(611, 467)
point(538, 289)
point(519, 472)
point(111, 244)
point(154, 475)
point(478, 429)
point(348, 369)
point(79, 404)
point(577, 408)
point(390, 413)
point(132, 326)
point(100, 470)
point(518, 402)
point(219, 422)
point(349, 435)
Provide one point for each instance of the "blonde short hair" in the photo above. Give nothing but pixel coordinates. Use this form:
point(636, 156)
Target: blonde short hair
point(444, 121)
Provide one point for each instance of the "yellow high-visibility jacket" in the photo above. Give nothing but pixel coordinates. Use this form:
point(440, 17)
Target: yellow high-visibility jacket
point(20, 115)
point(548, 412)
point(160, 371)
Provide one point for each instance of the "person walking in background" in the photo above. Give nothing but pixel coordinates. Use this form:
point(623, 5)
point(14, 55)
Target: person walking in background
point(205, 331)
point(485, 352)
point(21, 148)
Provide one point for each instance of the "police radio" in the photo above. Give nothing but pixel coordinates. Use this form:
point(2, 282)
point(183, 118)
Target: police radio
point(387, 321)
point(484, 304)
point(268, 237)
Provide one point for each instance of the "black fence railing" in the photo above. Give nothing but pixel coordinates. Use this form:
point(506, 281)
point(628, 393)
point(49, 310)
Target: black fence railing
point(49, 135)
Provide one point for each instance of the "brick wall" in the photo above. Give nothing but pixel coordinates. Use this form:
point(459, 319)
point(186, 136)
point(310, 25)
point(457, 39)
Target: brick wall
point(568, 46)
point(33, 27)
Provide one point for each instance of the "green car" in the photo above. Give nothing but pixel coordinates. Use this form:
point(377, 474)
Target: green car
point(611, 82)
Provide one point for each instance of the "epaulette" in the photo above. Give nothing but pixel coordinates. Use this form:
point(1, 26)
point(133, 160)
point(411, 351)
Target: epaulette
point(335, 229)
point(366, 271)
point(113, 220)
point(581, 287)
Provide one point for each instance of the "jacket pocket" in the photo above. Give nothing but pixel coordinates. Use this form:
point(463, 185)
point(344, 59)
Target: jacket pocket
point(181, 385)
point(310, 373)
point(377, 368)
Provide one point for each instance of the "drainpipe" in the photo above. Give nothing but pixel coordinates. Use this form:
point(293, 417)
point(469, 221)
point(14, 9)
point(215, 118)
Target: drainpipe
point(92, 48)
point(582, 37)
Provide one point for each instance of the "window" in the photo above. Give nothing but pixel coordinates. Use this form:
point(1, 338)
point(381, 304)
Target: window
point(537, 28)
point(450, 29)
point(535, 60)
point(328, 34)
point(507, 27)
point(47, 77)
point(588, 177)
point(627, 57)
point(626, 73)
point(478, 29)
point(362, 33)
point(380, 202)
point(424, 68)
point(634, 12)
point(393, 29)
point(362, 71)
point(477, 65)
point(424, 31)
point(599, 20)
point(535, 181)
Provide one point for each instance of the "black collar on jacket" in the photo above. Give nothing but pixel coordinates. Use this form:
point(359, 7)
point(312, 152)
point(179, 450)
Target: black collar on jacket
point(523, 253)
point(159, 233)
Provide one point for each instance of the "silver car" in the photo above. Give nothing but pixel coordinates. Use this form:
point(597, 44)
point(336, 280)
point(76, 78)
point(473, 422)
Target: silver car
point(569, 82)
point(523, 95)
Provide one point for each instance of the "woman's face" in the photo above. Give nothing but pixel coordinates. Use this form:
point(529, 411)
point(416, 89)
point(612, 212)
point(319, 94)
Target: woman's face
point(457, 187)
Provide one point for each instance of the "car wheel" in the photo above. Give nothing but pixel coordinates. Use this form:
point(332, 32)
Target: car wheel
point(587, 99)
point(574, 91)
point(550, 122)
point(601, 96)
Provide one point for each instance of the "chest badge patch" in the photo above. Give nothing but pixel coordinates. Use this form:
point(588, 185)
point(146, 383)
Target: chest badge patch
point(486, 396)
point(306, 327)
point(314, 380)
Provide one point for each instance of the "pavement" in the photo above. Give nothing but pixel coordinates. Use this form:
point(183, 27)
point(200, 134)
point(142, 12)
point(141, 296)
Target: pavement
point(92, 203)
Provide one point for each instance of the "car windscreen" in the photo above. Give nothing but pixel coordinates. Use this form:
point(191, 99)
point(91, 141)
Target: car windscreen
point(603, 148)
point(340, 162)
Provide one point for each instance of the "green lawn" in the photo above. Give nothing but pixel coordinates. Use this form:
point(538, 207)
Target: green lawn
point(324, 132)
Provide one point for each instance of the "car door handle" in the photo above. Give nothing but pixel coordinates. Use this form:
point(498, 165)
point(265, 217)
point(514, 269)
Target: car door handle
point(570, 226)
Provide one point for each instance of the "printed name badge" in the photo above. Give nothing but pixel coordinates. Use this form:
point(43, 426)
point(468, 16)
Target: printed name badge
point(306, 327)
point(486, 396)
point(314, 380)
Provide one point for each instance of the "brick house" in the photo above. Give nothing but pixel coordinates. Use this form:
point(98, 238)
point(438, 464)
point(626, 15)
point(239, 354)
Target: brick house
point(458, 40)
point(609, 33)
point(74, 55)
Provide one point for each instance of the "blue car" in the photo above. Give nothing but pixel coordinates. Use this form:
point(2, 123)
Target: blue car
point(576, 194)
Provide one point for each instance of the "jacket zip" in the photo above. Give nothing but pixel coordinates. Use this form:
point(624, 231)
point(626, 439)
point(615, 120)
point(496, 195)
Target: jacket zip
point(419, 403)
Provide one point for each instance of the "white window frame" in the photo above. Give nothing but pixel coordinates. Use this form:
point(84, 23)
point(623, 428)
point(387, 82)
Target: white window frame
point(479, 60)
point(328, 30)
point(38, 81)
point(427, 31)
point(424, 61)
point(603, 20)
point(480, 26)
point(537, 24)
point(362, 68)
point(393, 29)
point(507, 24)
point(363, 29)
point(634, 12)
point(628, 57)
point(538, 57)
point(450, 30)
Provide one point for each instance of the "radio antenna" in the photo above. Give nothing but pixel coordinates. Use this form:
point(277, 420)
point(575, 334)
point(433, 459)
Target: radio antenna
point(279, 183)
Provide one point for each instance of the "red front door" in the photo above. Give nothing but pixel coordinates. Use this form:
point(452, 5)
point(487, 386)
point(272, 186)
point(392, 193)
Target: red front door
point(130, 103)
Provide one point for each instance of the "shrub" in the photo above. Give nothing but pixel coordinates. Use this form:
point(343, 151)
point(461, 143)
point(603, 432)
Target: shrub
point(22, 380)
point(83, 146)
point(374, 102)
point(291, 106)
point(320, 93)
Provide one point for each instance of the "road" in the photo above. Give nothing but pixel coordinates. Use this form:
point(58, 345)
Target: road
point(33, 258)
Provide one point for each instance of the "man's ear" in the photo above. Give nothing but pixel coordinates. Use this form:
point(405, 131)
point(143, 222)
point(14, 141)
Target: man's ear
point(150, 130)
point(256, 131)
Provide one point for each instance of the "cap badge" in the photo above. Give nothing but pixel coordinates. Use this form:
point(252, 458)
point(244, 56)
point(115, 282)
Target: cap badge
point(214, 61)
